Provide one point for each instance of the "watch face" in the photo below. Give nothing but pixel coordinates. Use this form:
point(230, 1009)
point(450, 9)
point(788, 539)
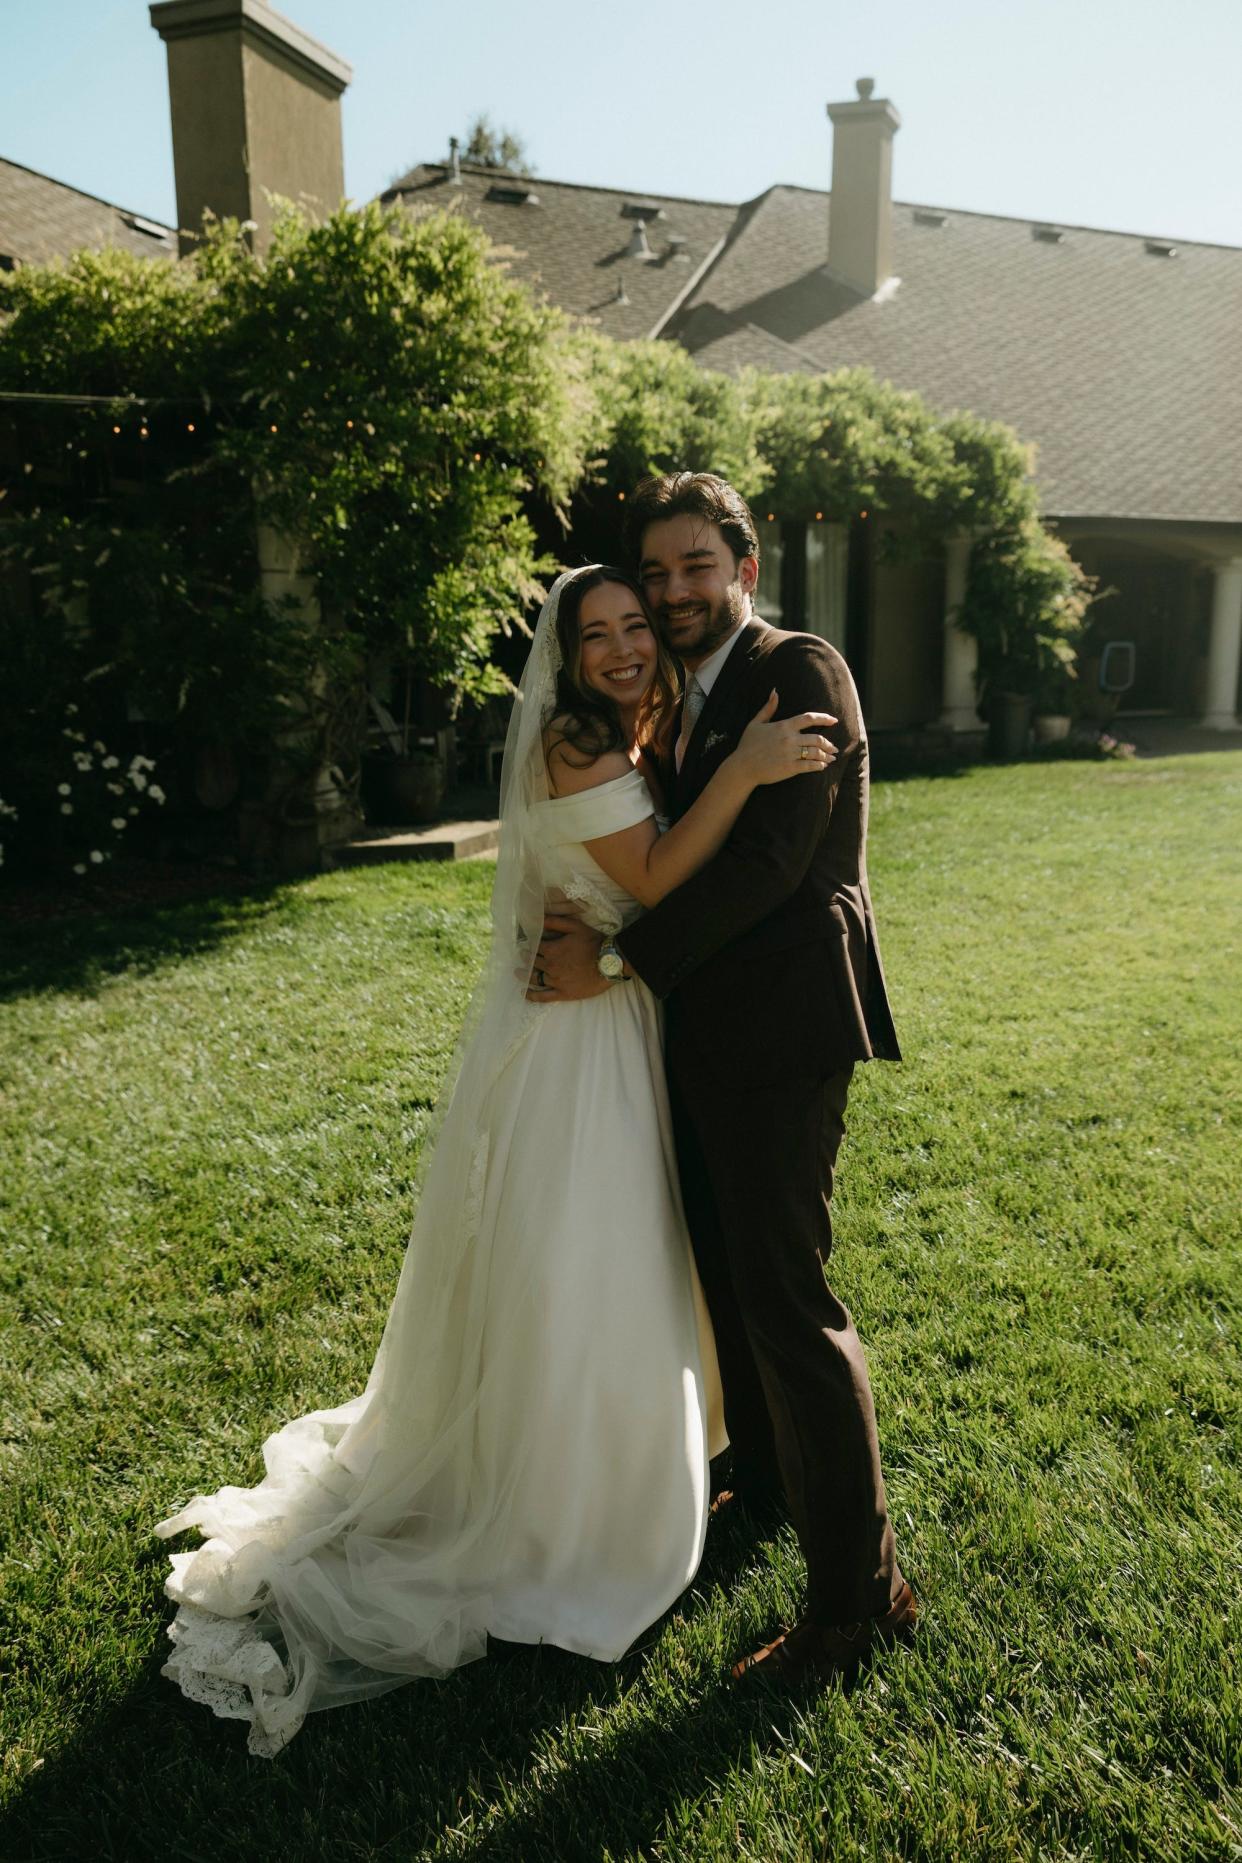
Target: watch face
point(611, 962)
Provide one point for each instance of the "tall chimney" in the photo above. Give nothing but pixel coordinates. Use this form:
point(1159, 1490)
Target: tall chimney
point(256, 104)
point(860, 217)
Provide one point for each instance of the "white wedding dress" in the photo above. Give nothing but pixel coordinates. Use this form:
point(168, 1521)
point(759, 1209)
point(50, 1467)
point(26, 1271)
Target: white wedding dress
point(529, 1460)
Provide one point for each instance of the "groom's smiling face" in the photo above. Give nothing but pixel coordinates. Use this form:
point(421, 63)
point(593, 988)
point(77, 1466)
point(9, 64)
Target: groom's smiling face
point(695, 585)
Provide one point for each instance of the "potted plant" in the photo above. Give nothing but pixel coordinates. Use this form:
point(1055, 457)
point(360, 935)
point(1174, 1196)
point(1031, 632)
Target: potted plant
point(403, 772)
point(1025, 605)
point(1054, 702)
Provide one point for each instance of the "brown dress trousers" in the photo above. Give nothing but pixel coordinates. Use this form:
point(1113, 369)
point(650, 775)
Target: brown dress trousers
point(770, 970)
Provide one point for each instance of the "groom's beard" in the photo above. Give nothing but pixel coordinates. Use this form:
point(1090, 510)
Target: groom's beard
point(713, 630)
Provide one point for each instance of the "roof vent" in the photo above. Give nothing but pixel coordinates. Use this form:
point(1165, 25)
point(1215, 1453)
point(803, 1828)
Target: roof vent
point(1050, 235)
point(642, 210)
point(1160, 248)
point(927, 216)
point(150, 227)
point(517, 196)
point(454, 162)
point(639, 247)
point(677, 243)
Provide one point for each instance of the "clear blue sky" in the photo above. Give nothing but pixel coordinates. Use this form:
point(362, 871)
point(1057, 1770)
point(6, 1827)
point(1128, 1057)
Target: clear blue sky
point(1111, 113)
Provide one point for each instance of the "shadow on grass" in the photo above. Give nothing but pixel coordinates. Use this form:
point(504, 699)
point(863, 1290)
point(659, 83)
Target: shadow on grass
point(81, 953)
point(468, 1766)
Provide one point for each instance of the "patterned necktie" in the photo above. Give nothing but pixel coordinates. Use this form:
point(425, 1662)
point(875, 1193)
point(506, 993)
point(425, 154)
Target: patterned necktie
point(696, 699)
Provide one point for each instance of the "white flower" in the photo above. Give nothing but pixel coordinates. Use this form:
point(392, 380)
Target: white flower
point(137, 779)
point(156, 793)
point(116, 789)
point(96, 856)
point(133, 808)
point(66, 808)
point(70, 710)
point(101, 748)
point(118, 821)
point(82, 760)
point(63, 789)
point(110, 763)
point(80, 868)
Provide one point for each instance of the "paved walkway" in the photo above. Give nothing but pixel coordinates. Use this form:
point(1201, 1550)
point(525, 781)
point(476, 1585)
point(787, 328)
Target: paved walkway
point(1172, 737)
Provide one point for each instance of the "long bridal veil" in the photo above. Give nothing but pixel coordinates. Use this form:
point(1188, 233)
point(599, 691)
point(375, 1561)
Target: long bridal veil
point(364, 1556)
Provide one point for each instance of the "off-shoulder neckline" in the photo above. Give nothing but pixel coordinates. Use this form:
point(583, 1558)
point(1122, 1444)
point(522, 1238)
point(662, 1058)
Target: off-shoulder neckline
point(596, 789)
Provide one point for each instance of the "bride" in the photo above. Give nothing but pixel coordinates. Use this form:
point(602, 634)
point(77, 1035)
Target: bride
point(529, 1458)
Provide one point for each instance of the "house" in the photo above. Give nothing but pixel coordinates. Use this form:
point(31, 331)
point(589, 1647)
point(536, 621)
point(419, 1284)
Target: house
point(1118, 356)
point(42, 219)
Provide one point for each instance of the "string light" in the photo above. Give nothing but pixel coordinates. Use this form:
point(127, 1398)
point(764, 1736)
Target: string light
point(349, 423)
point(862, 514)
point(621, 496)
point(819, 517)
point(116, 430)
point(771, 517)
point(275, 428)
point(189, 426)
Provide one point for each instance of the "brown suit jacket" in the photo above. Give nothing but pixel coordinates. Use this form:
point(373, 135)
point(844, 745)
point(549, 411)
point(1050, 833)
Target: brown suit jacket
point(769, 955)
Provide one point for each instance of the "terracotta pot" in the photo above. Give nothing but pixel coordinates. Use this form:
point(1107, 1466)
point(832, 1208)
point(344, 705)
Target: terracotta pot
point(1051, 727)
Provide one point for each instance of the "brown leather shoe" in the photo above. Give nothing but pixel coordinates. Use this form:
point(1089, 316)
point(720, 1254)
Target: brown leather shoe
point(828, 1652)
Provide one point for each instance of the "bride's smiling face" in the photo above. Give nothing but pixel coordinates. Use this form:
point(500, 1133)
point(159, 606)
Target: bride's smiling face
point(619, 650)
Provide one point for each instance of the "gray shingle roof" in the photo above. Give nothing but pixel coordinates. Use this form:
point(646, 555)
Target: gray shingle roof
point(1123, 366)
point(42, 219)
point(572, 243)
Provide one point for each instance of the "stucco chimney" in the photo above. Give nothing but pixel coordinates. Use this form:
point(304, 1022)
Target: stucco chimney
point(255, 105)
point(860, 217)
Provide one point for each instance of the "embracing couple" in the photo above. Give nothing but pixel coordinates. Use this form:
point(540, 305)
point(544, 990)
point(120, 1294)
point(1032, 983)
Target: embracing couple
point(617, 1261)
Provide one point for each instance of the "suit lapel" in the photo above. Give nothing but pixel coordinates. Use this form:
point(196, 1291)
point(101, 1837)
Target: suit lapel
point(719, 702)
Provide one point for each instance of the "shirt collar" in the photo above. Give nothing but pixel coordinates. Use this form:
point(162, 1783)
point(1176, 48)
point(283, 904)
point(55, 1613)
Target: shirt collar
point(708, 673)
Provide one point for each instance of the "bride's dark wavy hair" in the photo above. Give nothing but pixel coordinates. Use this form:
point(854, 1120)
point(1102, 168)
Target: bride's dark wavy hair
point(589, 722)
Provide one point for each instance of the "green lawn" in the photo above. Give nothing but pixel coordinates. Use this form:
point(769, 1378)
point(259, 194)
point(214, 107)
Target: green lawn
point(208, 1119)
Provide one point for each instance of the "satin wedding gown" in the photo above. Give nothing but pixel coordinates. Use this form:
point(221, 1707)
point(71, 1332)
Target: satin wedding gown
point(535, 1467)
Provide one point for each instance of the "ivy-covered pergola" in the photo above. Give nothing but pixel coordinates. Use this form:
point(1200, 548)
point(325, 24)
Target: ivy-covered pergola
point(382, 397)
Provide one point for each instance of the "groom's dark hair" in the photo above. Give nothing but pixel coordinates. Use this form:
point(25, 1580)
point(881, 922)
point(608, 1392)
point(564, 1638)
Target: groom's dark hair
point(697, 494)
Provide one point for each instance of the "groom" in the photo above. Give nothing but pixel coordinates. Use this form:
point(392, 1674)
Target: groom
point(768, 964)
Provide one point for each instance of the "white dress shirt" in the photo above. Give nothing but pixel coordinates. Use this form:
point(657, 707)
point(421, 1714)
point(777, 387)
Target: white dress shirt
point(707, 674)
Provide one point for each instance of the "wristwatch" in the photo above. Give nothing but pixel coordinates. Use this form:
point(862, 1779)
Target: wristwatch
point(611, 963)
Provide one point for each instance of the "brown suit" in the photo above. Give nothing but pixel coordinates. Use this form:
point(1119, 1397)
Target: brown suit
point(769, 961)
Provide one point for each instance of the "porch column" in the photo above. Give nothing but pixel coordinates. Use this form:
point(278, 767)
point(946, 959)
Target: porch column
point(1225, 648)
point(961, 651)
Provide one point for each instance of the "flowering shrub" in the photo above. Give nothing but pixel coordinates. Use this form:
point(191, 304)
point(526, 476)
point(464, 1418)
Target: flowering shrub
point(101, 799)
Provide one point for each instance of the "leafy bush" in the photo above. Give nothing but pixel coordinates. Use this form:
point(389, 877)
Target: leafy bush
point(384, 395)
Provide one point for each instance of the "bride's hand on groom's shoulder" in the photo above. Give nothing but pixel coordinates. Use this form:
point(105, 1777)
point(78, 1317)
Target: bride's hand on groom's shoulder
point(771, 749)
point(566, 968)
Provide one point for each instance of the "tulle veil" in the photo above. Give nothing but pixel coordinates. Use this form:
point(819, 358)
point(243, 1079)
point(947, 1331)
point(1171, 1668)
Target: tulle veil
point(361, 1559)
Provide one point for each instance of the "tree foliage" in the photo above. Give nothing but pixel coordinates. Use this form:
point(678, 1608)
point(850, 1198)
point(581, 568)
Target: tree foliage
point(496, 148)
point(382, 392)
